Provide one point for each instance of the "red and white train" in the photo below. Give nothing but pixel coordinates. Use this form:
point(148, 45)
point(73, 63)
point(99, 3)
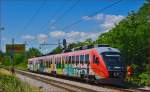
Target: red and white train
point(99, 62)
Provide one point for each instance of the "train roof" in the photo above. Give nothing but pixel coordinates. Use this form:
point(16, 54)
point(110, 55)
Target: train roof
point(99, 48)
point(107, 49)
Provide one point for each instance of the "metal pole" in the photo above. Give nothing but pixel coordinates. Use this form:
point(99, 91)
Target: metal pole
point(12, 56)
point(1, 28)
point(0, 41)
point(59, 43)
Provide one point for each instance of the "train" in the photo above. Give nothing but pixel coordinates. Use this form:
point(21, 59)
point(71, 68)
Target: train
point(91, 62)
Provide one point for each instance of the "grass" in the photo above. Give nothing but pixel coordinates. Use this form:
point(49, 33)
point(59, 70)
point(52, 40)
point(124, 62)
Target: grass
point(10, 83)
point(21, 66)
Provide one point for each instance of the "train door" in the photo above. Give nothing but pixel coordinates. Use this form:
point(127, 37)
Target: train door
point(63, 65)
point(59, 65)
point(77, 66)
point(94, 64)
point(41, 65)
point(49, 65)
point(66, 68)
point(69, 66)
point(86, 65)
point(30, 64)
point(82, 72)
point(52, 64)
point(73, 65)
point(34, 65)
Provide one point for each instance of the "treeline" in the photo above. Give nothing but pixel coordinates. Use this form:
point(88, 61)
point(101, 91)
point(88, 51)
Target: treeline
point(20, 59)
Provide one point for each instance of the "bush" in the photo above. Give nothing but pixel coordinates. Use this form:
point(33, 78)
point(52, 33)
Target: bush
point(10, 83)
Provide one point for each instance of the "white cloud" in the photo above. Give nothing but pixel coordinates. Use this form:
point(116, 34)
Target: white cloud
point(28, 37)
point(99, 16)
point(110, 21)
point(86, 18)
point(42, 37)
point(106, 21)
point(57, 34)
point(74, 35)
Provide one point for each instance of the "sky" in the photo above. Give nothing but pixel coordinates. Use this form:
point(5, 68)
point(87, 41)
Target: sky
point(39, 21)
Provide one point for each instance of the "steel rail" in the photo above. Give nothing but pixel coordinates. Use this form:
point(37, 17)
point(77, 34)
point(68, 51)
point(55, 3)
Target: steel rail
point(69, 87)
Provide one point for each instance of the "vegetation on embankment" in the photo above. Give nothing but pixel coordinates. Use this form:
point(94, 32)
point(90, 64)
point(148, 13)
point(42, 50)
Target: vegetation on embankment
point(10, 83)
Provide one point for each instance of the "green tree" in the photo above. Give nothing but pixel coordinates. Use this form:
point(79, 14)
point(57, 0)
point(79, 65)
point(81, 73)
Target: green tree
point(33, 52)
point(57, 50)
point(131, 37)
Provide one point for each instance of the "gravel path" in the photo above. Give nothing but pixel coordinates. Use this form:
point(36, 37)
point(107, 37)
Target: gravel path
point(41, 85)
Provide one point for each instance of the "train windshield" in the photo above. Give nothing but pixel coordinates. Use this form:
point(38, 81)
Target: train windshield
point(112, 58)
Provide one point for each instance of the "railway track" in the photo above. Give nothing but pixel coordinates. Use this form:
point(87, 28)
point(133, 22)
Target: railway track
point(73, 86)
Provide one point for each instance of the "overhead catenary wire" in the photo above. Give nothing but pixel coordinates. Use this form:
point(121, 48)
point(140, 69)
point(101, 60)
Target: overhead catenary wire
point(34, 15)
point(54, 15)
point(91, 15)
point(66, 12)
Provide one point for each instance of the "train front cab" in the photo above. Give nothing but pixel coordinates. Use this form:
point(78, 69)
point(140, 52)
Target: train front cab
point(111, 67)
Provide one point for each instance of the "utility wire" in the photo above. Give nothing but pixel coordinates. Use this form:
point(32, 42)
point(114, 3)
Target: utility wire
point(67, 11)
point(54, 15)
point(91, 15)
point(34, 15)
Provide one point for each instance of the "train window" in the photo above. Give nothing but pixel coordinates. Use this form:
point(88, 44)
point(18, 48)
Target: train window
point(86, 58)
point(52, 61)
point(63, 62)
point(77, 59)
point(113, 58)
point(60, 62)
point(44, 63)
point(47, 63)
point(81, 59)
point(55, 60)
point(95, 60)
point(73, 59)
point(66, 59)
point(69, 62)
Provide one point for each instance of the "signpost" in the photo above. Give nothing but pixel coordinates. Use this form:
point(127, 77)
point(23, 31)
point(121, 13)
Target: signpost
point(17, 48)
point(14, 48)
